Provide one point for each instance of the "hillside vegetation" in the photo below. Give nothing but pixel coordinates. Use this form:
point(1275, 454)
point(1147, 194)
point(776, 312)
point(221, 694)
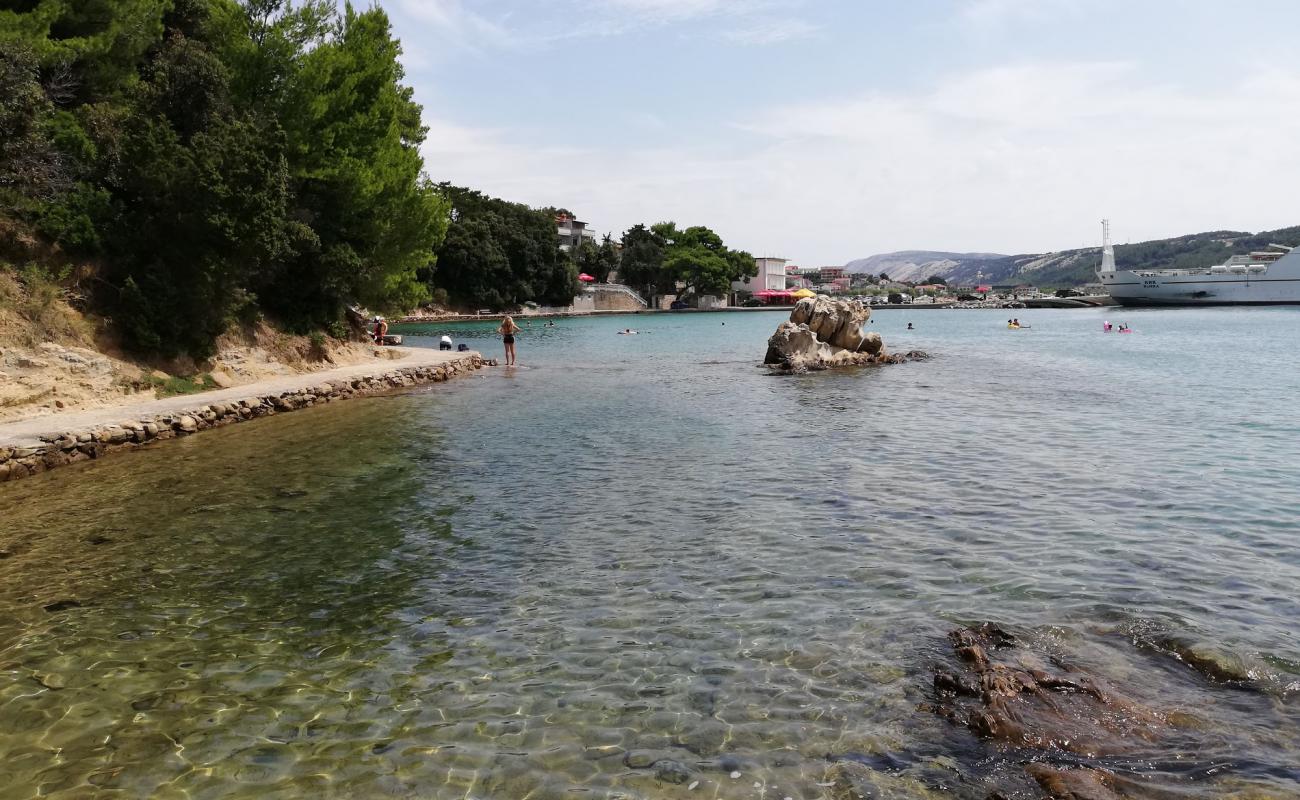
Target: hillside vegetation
point(187, 164)
point(1072, 267)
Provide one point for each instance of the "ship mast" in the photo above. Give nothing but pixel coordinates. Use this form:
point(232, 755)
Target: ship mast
point(1107, 252)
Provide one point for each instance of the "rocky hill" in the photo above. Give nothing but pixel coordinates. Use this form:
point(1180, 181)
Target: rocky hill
point(917, 265)
point(1070, 267)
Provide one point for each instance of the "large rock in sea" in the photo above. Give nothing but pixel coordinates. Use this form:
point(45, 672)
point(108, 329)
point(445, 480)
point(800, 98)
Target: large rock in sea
point(825, 332)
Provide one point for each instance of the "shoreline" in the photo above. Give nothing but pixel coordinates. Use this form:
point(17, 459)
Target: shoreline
point(441, 319)
point(38, 444)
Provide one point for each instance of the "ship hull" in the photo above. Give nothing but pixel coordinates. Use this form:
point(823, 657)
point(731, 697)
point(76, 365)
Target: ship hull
point(1164, 302)
point(1278, 285)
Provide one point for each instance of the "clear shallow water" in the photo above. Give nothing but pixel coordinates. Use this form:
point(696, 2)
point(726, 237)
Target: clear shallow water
point(533, 582)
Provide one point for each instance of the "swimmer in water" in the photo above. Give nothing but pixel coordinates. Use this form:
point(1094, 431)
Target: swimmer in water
point(909, 327)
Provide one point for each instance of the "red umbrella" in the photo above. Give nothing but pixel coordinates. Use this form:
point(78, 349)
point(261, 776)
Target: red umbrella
point(585, 278)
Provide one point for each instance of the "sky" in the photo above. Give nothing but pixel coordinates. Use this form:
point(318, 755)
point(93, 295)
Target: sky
point(827, 130)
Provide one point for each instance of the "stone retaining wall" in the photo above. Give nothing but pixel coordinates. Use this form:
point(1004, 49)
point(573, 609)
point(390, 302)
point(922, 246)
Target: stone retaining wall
point(74, 446)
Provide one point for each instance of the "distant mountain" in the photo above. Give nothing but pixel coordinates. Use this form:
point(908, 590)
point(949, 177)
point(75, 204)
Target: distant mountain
point(1070, 267)
point(917, 265)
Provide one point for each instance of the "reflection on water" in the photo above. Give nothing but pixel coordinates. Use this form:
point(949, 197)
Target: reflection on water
point(623, 571)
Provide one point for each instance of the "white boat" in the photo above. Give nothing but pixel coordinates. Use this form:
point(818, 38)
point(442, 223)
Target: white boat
point(1266, 277)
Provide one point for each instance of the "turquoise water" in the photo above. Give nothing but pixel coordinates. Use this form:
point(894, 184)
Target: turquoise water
point(633, 550)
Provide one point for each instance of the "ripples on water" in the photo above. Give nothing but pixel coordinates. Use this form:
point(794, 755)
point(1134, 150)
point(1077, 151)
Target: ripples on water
point(538, 583)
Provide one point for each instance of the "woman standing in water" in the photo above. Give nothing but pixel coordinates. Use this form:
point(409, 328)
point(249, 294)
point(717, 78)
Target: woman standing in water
point(508, 330)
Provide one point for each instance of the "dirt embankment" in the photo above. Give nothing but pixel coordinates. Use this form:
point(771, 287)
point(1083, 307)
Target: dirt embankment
point(53, 358)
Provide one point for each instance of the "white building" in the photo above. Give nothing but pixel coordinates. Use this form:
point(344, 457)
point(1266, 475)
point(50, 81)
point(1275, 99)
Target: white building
point(771, 276)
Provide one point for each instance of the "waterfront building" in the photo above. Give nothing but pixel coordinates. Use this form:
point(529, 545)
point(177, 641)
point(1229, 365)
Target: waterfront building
point(571, 232)
point(771, 277)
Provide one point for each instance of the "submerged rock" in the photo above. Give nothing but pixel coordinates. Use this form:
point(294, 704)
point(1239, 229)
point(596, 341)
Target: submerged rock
point(847, 780)
point(671, 771)
point(1082, 783)
point(824, 332)
point(1012, 694)
point(1213, 662)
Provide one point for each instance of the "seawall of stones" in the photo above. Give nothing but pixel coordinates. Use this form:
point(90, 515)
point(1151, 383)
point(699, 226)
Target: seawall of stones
point(74, 446)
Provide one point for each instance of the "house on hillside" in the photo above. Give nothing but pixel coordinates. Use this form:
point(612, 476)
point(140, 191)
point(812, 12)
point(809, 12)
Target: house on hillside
point(571, 232)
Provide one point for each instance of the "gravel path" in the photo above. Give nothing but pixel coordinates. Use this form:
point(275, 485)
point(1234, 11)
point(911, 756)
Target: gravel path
point(28, 432)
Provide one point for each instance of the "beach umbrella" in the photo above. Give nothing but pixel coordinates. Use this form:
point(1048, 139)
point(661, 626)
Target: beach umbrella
point(802, 293)
point(585, 278)
point(766, 293)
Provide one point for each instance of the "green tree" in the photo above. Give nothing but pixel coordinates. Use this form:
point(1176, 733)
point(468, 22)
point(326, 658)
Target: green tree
point(606, 259)
point(698, 260)
point(371, 223)
point(500, 254)
point(30, 165)
point(642, 261)
point(199, 201)
point(586, 257)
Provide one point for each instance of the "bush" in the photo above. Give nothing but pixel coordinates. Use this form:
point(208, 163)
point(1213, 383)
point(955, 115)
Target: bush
point(41, 290)
point(170, 387)
point(71, 219)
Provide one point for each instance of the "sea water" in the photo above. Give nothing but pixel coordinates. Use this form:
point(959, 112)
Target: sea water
point(640, 565)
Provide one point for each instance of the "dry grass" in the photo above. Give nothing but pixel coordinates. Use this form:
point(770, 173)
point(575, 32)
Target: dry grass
point(34, 309)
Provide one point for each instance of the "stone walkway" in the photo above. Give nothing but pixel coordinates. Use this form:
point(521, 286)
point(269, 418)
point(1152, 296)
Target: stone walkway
point(32, 432)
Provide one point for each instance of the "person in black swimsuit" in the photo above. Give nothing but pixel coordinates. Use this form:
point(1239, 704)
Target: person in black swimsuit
point(508, 330)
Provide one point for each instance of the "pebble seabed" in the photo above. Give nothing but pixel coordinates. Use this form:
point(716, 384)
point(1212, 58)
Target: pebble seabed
point(84, 445)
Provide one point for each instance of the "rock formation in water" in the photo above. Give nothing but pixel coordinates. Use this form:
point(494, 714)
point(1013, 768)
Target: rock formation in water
point(1040, 706)
point(825, 332)
point(1051, 729)
point(1012, 694)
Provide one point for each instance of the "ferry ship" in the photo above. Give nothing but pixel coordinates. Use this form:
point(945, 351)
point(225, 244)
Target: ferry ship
point(1266, 277)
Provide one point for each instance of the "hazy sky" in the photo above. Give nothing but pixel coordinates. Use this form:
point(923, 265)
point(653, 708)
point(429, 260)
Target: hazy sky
point(827, 130)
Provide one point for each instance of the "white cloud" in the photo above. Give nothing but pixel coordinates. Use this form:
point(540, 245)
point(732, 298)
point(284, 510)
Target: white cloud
point(454, 25)
point(770, 31)
point(1016, 158)
point(457, 26)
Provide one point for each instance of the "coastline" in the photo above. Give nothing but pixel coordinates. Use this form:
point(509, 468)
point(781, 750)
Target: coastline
point(1057, 303)
point(39, 444)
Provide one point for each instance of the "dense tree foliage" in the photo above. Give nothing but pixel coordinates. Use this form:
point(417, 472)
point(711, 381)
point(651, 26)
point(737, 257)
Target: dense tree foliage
point(641, 263)
point(499, 254)
point(701, 264)
point(219, 159)
point(662, 259)
point(597, 260)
